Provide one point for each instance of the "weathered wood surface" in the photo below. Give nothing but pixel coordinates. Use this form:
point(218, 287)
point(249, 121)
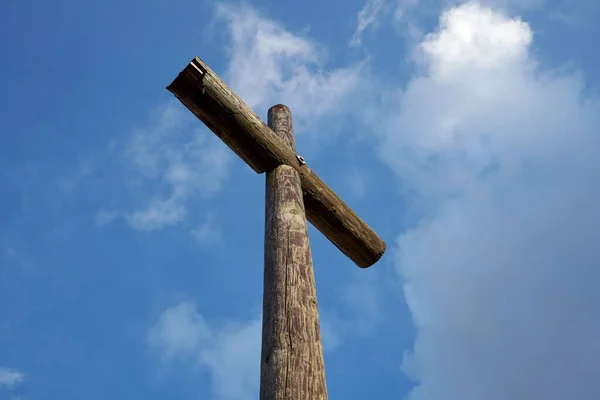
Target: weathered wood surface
point(292, 365)
point(223, 112)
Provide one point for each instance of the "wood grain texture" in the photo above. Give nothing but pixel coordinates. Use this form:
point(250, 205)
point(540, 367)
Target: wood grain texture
point(223, 112)
point(292, 365)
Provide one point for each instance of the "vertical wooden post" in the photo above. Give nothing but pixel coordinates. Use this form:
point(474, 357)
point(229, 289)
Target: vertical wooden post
point(292, 366)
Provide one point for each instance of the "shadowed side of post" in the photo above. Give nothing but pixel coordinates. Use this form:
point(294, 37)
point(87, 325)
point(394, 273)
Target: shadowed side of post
point(292, 365)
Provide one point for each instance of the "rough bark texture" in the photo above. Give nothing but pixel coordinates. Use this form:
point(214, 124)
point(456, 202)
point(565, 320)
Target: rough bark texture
point(215, 104)
point(292, 366)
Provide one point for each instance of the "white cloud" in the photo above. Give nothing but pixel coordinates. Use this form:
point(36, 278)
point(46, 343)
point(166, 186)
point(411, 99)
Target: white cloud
point(507, 4)
point(358, 183)
point(208, 232)
point(234, 361)
point(104, 217)
point(158, 214)
point(357, 313)
point(367, 18)
point(183, 161)
point(402, 7)
point(500, 275)
point(230, 354)
point(179, 331)
point(407, 5)
point(409, 15)
point(269, 65)
point(476, 40)
point(10, 377)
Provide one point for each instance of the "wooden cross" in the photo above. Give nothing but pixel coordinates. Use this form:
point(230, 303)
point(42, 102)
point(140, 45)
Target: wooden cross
point(292, 366)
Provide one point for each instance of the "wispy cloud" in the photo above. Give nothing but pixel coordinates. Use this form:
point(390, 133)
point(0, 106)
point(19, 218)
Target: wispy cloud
point(104, 217)
point(367, 18)
point(10, 378)
point(231, 354)
point(181, 161)
point(498, 274)
point(356, 315)
point(234, 360)
point(158, 214)
point(358, 183)
point(208, 232)
point(269, 65)
point(179, 331)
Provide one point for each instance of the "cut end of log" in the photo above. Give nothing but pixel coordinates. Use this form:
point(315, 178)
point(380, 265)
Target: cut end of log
point(196, 67)
point(377, 257)
point(368, 256)
point(279, 107)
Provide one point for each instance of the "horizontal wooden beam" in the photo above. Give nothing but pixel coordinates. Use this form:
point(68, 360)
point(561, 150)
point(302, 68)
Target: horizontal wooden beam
point(224, 113)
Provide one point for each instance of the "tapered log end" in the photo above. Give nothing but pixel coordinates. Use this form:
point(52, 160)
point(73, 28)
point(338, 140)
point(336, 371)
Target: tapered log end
point(379, 255)
point(370, 255)
point(279, 108)
point(188, 79)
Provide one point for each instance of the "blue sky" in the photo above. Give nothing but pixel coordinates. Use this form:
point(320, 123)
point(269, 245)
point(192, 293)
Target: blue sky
point(466, 134)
